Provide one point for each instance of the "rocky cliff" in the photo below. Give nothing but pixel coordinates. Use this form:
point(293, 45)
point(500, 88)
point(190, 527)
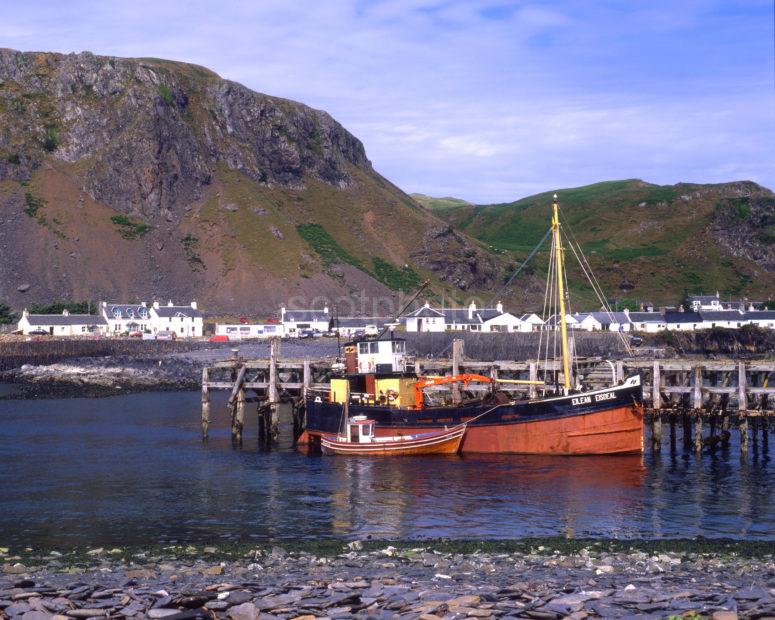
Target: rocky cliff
point(139, 178)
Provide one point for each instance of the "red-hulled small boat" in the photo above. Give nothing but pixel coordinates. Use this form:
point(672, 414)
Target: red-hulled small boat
point(359, 439)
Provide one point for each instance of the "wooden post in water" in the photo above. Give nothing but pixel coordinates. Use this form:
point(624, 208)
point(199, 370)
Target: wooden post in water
point(742, 408)
point(697, 389)
point(457, 355)
point(725, 429)
point(686, 433)
point(698, 433)
point(240, 417)
point(307, 381)
point(765, 423)
point(236, 405)
point(205, 403)
point(672, 431)
point(533, 388)
point(274, 397)
point(656, 405)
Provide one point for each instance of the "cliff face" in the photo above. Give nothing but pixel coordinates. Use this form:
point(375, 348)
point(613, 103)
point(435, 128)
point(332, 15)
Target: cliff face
point(135, 178)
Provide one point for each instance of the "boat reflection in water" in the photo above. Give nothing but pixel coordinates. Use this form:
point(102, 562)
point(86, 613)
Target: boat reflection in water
point(492, 496)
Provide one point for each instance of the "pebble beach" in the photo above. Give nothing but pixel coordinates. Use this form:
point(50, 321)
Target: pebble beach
point(371, 579)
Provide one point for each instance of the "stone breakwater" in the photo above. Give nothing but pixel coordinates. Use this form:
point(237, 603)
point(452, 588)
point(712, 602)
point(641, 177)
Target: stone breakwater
point(381, 581)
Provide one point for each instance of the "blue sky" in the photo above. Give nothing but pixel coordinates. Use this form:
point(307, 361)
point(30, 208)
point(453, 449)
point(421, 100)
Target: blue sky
point(488, 100)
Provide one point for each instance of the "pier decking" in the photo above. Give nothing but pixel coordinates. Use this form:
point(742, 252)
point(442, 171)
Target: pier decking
point(719, 393)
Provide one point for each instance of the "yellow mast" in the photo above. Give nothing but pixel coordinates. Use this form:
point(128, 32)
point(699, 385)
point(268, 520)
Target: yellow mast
point(558, 249)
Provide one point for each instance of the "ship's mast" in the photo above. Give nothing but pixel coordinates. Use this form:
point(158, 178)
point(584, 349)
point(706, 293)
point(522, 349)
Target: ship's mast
point(558, 249)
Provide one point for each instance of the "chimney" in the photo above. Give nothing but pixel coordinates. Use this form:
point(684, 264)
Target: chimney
point(427, 304)
point(25, 313)
point(104, 304)
point(143, 304)
point(471, 309)
point(65, 312)
point(499, 307)
point(681, 308)
point(627, 312)
point(193, 305)
point(325, 309)
point(170, 304)
point(156, 305)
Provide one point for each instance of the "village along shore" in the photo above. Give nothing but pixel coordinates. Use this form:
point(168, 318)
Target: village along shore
point(429, 580)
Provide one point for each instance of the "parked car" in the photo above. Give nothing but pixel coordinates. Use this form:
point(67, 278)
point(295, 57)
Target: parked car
point(137, 334)
point(219, 338)
point(39, 332)
point(306, 333)
point(636, 341)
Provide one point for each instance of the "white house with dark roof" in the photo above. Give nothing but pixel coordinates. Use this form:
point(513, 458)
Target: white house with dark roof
point(705, 302)
point(64, 324)
point(126, 318)
point(296, 321)
point(761, 318)
point(730, 319)
point(648, 322)
point(426, 319)
point(183, 321)
point(603, 321)
point(530, 322)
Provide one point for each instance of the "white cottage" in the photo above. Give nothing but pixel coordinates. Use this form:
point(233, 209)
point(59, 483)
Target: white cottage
point(426, 319)
point(64, 324)
point(297, 321)
point(183, 321)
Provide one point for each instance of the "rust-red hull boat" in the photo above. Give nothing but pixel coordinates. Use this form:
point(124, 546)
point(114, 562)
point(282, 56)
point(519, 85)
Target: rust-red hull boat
point(606, 421)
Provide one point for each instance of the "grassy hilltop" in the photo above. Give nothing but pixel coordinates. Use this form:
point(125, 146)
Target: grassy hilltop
point(644, 241)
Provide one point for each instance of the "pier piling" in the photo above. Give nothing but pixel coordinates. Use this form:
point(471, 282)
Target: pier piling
point(205, 403)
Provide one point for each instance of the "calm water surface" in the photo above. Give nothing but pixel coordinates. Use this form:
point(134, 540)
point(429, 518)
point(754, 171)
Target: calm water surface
point(132, 470)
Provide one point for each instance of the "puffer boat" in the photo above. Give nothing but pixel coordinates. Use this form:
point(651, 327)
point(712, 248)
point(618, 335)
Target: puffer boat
point(379, 382)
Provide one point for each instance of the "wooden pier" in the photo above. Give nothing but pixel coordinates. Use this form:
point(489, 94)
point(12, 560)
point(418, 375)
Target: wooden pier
point(717, 395)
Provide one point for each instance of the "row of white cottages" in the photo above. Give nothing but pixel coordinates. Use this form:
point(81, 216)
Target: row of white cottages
point(295, 323)
point(154, 320)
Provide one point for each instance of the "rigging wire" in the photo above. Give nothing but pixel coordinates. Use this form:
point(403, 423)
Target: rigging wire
point(521, 267)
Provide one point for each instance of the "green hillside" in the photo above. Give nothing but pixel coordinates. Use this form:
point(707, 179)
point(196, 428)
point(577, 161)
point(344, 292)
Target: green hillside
point(645, 241)
point(438, 204)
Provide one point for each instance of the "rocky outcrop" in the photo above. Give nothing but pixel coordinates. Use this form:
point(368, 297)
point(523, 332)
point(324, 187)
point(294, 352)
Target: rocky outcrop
point(456, 260)
point(152, 132)
point(745, 226)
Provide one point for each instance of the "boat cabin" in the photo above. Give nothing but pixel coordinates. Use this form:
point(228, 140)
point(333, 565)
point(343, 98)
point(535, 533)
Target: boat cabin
point(376, 356)
point(359, 430)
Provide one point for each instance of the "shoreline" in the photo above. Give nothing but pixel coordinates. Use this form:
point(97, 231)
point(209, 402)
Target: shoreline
point(528, 578)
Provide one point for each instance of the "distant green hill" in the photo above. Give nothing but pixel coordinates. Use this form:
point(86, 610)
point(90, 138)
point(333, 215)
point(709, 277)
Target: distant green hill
point(645, 241)
point(439, 204)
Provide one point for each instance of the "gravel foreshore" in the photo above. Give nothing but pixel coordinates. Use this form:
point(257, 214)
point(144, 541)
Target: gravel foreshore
point(379, 580)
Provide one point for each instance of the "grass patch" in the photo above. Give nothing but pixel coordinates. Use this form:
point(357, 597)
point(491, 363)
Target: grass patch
point(190, 246)
point(166, 95)
point(397, 278)
point(128, 228)
point(51, 139)
point(33, 203)
point(326, 246)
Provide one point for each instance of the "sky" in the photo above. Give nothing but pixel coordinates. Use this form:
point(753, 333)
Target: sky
point(486, 100)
